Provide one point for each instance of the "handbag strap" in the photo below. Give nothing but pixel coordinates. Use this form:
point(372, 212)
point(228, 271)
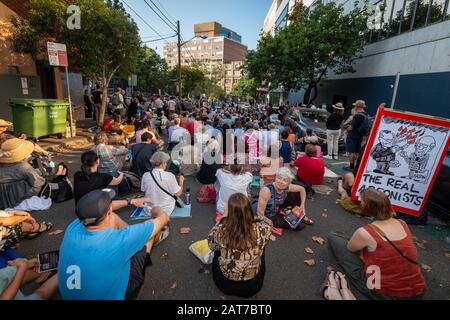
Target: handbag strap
point(159, 186)
point(381, 233)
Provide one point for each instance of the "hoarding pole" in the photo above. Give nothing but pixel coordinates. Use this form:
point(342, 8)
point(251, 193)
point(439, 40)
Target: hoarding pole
point(394, 96)
point(72, 133)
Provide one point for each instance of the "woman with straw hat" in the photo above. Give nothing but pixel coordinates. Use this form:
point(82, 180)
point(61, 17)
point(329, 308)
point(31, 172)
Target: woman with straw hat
point(18, 180)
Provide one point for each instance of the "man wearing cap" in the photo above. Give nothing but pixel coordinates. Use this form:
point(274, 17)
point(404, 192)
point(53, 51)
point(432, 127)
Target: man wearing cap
point(355, 136)
point(101, 257)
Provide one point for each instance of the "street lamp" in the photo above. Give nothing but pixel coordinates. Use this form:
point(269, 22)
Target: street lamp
point(179, 45)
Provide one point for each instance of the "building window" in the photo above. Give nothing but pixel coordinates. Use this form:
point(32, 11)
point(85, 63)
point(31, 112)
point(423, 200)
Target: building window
point(283, 18)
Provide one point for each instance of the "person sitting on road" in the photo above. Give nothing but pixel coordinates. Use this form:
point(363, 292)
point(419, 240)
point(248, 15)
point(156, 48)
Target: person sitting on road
point(110, 156)
point(231, 180)
point(20, 272)
point(108, 256)
point(142, 153)
point(89, 179)
point(160, 185)
point(18, 180)
point(281, 194)
point(239, 241)
point(315, 142)
point(310, 168)
point(286, 149)
point(270, 164)
point(388, 244)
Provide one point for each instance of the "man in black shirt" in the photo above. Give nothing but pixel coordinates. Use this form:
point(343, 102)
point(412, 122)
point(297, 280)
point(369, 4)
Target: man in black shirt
point(355, 136)
point(97, 97)
point(142, 153)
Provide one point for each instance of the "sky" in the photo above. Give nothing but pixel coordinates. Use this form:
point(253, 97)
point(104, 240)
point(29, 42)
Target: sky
point(246, 17)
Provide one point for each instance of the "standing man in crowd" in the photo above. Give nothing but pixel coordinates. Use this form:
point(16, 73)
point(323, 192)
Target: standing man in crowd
point(97, 99)
point(356, 132)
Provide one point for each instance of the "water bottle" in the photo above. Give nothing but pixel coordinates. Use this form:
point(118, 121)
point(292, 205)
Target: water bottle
point(188, 196)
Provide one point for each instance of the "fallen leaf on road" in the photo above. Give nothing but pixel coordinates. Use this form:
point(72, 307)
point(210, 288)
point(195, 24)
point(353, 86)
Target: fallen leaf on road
point(55, 233)
point(174, 285)
point(325, 210)
point(426, 268)
point(273, 238)
point(310, 263)
point(164, 256)
point(309, 250)
point(185, 230)
point(420, 245)
point(319, 240)
point(324, 215)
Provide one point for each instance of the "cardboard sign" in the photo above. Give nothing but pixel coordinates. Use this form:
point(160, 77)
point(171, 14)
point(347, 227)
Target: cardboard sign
point(403, 157)
point(57, 54)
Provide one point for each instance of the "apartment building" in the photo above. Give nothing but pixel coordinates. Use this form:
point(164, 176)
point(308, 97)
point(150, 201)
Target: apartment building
point(233, 74)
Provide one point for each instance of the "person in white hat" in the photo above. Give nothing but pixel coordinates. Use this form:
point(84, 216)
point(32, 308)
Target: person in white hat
point(334, 124)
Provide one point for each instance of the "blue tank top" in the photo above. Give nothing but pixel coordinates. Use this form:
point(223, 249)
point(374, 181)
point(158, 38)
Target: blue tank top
point(286, 151)
point(276, 200)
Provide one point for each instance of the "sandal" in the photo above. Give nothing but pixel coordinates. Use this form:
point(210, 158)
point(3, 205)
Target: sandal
point(308, 221)
point(345, 291)
point(47, 227)
point(329, 285)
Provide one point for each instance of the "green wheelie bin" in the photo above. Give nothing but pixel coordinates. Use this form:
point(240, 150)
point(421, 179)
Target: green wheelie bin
point(39, 117)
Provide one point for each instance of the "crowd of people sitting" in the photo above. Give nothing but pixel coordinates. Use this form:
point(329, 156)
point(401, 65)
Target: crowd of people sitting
point(152, 146)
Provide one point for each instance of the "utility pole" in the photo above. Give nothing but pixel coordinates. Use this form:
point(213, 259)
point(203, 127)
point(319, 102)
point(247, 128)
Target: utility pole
point(179, 58)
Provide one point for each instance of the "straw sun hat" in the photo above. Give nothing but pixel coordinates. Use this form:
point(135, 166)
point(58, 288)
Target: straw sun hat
point(15, 150)
point(339, 106)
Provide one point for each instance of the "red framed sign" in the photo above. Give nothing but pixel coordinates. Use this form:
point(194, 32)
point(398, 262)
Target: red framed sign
point(403, 157)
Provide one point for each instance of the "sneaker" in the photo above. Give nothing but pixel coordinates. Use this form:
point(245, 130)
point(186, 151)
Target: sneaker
point(162, 236)
point(336, 157)
point(328, 157)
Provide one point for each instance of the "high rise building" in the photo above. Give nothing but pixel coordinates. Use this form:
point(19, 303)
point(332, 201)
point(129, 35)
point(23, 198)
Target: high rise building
point(213, 45)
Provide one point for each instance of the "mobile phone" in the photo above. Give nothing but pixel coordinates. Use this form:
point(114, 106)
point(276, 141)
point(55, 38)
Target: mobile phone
point(48, 261)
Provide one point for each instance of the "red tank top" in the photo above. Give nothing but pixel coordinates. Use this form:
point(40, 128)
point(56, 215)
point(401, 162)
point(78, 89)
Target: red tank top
point(399, 277)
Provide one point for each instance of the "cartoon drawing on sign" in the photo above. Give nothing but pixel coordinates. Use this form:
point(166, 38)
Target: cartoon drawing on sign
point(384, 153)
point(418, 160)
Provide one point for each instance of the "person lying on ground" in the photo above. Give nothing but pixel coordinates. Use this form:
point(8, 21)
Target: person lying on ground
point(21, 272)
point(390, 262)
point(238, 242)
point(276, 196)
point(110, 256)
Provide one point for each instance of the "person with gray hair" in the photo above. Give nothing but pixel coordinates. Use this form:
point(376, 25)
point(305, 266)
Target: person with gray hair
point(282, 194)
point(158, 183)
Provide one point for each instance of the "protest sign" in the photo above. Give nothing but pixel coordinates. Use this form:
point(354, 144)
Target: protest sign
point(402, 158)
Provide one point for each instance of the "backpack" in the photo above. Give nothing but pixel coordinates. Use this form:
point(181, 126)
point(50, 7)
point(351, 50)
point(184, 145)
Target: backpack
point(133, 180)
point(366, 126)
point(207, 194)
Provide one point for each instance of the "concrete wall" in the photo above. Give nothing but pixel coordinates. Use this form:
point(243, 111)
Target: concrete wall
point(423, 59)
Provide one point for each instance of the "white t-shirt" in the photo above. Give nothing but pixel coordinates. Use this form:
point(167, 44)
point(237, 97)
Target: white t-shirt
point(230, 184)
point(172, 105)
point(178, 133)
point(168, 181)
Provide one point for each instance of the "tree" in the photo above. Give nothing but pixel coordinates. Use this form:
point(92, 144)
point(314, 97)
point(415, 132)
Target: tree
point(192, 79)
point(152, 72)
point(318, 39)
point(245, 88)
point(107, 44)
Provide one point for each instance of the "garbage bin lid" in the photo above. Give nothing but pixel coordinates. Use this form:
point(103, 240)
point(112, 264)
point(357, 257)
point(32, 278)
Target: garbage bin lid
point(37, 102)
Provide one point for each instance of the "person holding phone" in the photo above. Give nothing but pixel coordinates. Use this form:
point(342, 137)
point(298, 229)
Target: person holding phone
point(20, 272)
point(108, 256)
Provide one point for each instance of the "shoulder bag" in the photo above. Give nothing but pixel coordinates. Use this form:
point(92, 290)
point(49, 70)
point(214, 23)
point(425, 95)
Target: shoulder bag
point(178, 201)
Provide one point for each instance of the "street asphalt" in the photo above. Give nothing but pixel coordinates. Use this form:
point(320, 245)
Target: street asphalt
point(180, 275)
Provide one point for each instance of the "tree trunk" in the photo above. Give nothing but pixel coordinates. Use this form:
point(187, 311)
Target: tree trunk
point(101, 117)
point(316, 93)
point(307, 96)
